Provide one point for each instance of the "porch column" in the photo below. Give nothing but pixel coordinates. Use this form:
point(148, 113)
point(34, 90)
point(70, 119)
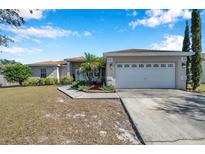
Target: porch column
point(69, 68)
point(57, 73)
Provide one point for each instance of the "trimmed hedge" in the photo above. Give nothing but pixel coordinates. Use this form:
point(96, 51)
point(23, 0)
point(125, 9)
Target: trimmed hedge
point(31, 82)
point(40, 81)
point(66, 80)
point(51, 81)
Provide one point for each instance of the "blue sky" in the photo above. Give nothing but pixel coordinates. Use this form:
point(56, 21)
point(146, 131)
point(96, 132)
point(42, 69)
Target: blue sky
point(58, 34)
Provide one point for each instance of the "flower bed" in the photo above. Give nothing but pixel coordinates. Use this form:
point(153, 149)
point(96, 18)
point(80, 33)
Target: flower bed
point(92, 88)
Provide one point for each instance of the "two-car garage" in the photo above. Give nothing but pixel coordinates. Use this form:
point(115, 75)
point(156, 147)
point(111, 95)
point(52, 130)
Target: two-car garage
point(145, 75)
point(142, 68)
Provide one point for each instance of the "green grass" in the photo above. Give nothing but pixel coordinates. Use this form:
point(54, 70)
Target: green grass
point(201, 88)
point(43, 115)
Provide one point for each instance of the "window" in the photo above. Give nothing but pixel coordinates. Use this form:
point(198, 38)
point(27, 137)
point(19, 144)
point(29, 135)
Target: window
point(119, 65)
point(163, 65)
point(141, 65)
point(127, 65)
point(134, 65)
point(43, 73)
point(148, 65)
point(170, 65)
point(156, 65)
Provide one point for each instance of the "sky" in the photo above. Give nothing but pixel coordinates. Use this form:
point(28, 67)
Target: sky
point(60, 34)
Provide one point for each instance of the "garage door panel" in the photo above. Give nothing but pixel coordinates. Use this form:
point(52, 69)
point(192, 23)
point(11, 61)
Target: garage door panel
point(159, 77)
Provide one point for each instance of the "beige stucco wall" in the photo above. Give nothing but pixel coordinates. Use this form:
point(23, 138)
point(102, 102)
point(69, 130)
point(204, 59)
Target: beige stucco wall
point(71, 66)
point(63, 71)
point(50, 70)
point(180, 73)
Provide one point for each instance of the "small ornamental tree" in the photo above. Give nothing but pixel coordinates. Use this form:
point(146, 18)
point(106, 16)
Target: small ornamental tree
point(90, 65)
point(186, 48)
point(16, 72)
point(196, 66)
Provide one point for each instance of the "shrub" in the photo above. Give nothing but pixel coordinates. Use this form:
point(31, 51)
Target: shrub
point(42, 81)
point(76, 84)
point(31, 82)
point(83, 88)
point(66, 80)
point(51, 81)
point(107, 88)
point(16, 72)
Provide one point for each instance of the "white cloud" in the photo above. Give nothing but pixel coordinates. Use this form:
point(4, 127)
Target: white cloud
point(19, 50)
point(120, 30)
point(36, 14)
point(37, 41)
point(19, 60)
point(131, 13)
point(159, 17)
point(87, 33)
point(41, 32)
point(134, 13)
point(170, 42)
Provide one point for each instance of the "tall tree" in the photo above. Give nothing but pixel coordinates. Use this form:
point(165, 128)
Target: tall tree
point(196, 67)
point(12, 17)
point(186, 48)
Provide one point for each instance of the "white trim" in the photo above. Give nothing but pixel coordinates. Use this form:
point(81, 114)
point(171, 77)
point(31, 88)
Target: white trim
point(148, 54)
point(57, 73)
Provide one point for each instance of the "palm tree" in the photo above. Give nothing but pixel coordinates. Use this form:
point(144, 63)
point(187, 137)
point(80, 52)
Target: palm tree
point(90, 65)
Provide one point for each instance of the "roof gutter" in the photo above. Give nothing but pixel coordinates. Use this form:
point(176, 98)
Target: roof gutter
point(43, 65)
point(182, 54)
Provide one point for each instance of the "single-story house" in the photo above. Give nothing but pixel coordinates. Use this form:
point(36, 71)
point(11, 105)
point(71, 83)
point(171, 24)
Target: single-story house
point(131, 68)
point(59, 69)
point(203, 67)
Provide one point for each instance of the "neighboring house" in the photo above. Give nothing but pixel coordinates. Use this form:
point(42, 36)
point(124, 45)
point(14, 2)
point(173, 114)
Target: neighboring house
point(203, 67)
point(136, 68)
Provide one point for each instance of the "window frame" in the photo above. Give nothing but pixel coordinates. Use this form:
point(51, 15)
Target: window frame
point(155, 65)
point(43, 73)
point(161, 65)
point(141, 65)
point(135, 65)
point(148, 65)
point(121, 65)
point(126, 65)
point(170, 65)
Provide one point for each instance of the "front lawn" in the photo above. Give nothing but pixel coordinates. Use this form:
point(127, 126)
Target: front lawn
point(43, 115)
point(202, 87)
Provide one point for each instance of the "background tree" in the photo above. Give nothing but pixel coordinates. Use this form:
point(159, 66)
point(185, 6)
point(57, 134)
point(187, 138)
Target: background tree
point(196, 66)
point(6, 61)
point(12, 17)
point(186, 48)
point(16, 72)
point(90, 65)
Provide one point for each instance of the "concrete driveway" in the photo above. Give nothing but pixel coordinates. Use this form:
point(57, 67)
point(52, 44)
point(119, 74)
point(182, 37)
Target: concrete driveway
point(166, 116)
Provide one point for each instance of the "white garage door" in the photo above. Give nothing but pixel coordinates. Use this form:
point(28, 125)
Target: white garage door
point(145, 75)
